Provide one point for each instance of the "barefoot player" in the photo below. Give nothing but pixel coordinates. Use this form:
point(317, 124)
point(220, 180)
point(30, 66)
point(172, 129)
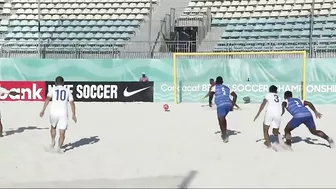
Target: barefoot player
point(211, 92)
point(224, 105)
point(272, 115)
point(60, 96)
point(301, 115)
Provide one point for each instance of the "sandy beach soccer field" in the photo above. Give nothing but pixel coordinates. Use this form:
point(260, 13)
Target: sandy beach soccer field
point(140, 145)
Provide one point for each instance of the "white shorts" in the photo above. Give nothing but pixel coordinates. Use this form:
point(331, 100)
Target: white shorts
point(273, 120)
point(60, 122)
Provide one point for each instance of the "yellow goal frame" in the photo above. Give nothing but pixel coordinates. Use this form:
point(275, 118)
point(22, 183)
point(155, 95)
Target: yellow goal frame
point(303, 53)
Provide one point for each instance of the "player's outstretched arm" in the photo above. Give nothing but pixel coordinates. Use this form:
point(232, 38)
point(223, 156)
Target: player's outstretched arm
point(211, 95)
point(237, 107)
point(45, 105)
point(261, 107)
point(312, 107)
point(234, 100)
point(284, 105)
point(73, 110)
point(207, 95)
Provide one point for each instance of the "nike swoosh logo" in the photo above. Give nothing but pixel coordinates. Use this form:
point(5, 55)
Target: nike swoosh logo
point(128, 94)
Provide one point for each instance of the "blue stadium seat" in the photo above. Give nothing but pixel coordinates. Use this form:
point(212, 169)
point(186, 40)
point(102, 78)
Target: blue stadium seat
point(3, 28)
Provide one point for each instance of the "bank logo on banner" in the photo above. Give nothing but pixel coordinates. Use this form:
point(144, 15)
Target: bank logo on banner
point(109, 91)
point(31, 90)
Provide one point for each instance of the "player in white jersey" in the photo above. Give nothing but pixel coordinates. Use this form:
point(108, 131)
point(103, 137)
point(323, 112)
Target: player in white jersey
point(60, 96)
point(272, 114)
point(5, 91)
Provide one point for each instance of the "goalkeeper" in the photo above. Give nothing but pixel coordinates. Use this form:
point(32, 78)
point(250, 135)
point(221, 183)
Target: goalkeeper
point(211, 93)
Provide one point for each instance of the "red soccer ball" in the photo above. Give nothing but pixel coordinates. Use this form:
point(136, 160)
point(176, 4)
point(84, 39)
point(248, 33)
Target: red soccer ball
point(166, 107)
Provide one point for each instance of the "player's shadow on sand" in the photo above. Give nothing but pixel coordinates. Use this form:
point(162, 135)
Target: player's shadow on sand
point(229, 132)
point(81, 142)
point(22, 129)
point(308, 140)
point(297, 139)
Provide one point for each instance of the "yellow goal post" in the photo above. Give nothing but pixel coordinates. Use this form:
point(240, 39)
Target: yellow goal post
point(205, 54)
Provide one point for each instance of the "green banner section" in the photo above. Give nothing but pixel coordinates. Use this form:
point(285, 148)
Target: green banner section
point(248, 77)
point(317, 92)
point(240, 70)
point(85, 69)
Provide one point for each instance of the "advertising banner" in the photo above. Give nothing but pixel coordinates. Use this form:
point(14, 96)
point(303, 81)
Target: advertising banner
point(31, 90)
point(317, 92)
point(86, 91)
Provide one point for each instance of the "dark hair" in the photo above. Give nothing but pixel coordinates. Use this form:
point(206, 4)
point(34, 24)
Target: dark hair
point(273, 89)
point(288, 94)
point(219, 80)
point(59, 80)
point(211, 80)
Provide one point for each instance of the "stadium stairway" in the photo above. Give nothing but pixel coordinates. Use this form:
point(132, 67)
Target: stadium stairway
point(211, 39)
point(158, 14)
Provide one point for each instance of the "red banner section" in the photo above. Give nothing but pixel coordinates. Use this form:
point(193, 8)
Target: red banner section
point(31, 90)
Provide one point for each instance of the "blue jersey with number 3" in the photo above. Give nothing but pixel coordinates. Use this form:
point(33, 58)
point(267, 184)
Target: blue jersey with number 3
point(296, 108)
point(222, 95)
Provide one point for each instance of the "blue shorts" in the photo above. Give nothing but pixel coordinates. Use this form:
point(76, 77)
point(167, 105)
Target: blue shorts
point(223, 110)
point(308, 121)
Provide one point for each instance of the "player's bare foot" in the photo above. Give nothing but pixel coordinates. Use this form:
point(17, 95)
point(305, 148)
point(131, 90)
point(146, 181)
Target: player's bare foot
point(225, 138)
point(287, 147)
point(267, 145)
point(59, 151)
point(52, 145)
point(50, 148)
point(274, 147)
point(331, 143)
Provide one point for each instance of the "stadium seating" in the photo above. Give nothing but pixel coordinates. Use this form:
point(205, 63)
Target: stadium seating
point(249, 22)
point(73, 21)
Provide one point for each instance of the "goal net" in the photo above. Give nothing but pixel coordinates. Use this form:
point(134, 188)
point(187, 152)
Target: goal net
point(249, 74)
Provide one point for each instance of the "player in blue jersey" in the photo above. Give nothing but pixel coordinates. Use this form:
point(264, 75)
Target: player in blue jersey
point(224, 105)
point(301, 115)
point(211, 93)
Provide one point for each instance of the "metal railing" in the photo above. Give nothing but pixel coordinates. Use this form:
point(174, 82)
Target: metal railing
point(70, 50)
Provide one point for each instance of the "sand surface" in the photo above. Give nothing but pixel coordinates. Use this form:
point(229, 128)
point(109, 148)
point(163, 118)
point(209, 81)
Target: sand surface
point(140, 145)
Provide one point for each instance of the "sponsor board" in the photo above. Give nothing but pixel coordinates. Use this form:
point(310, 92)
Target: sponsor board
point(165, 87)
point(319, 92)
point(245, 87)
point(109, 91)
point(31, 90)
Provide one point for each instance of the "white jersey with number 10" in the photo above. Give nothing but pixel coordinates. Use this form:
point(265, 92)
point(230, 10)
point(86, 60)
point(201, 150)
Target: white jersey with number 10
point(273, 103)
point(60, 96)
